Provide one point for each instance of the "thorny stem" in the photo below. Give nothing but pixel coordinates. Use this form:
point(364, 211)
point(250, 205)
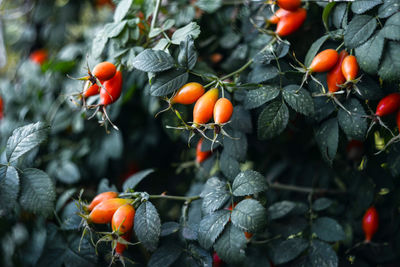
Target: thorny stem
point(305, 190)
point(155, 14)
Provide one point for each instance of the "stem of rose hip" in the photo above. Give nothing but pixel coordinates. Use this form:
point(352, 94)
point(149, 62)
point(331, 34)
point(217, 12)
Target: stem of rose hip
point(178, 198)
point(155, 14)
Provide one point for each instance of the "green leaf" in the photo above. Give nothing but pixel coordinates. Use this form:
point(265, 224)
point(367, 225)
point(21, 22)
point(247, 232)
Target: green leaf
point(369, 54)
point(325, 14)
point(192, 29)
point(169, 228)
point(167, 82)
point(215, 194)
point(359, 30)
point(355, 125)
point(321, 204)
point(321, 254)
point(65, 171)
point(338, 15)
point(25, 138)
point(288, 250)
point(211, 226)
point(147, 225)
point(257, 97)
point(392, 28)
point(70, 218)
point(263, 73)
point(64, 198)
point(165, 255)
point(393, 160)
point(230, 246)
point(288, 227)
point(369, 88)
point(209, 6)
point(38, 193)
point(314, 48)
point(112, 30)
point(136, 178)
point(298, 99)
point(389, 70)
point(153, 61)
point(187, 56)
point(236, 148)
point(99, 43)
point(9, 187)
point(327, 137)
point(161, 45)
point(361, 6)
point(272, 120)
point(281, 209)
point(248, 183)
point(388, 8)
point(328, 229)
point(229, 40)
point(198, 256)
point(122, 9)
point(154, 32)
point(249, 215)
point(229, 165)
point(168, 24)
point(241, 119)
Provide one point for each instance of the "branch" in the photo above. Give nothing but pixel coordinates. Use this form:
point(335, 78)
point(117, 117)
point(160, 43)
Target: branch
point(186, 199)
point(305, 190)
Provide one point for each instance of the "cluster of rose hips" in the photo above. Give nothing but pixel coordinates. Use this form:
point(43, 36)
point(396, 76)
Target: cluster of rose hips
point(289, 17)
point(107, 208)
point(207, 106)
point(105, 80)
point(342, 69)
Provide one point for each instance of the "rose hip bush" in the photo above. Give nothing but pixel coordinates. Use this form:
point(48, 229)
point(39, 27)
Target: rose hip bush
point(200, 133)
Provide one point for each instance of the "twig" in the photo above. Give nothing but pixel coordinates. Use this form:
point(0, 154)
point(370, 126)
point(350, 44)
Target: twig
point(305, 190)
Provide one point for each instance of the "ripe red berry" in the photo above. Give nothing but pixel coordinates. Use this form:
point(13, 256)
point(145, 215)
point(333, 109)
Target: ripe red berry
point(38, 56)
point(370, 223)
point(104, 71)
point(388, 105)
point(100, 198)
point(94, 89)
point(188, 94)
point(274, 19)
point(291, 5)
point(114, 88)
point(203, 109)
point(201, 155)
point(217, 262)
point(104, 211)
point(291, 22)
point(350, 68)
point(120, 248)
point(335, 76)
point(122, 220)
point(398, 120)
point(223, 110)
point(324, 61)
